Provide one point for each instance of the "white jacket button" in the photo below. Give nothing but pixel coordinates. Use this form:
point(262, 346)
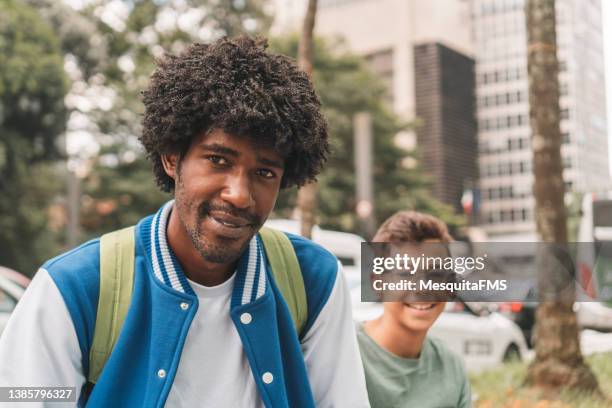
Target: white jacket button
point(246, 318)
point(161, 373)
point(184, 305)
point(267, 378)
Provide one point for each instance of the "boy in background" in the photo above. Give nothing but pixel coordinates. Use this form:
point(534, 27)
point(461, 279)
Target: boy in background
point(403, 366)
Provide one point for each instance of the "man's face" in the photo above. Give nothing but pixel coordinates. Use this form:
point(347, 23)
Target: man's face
point(225, 188)
point(416, 315)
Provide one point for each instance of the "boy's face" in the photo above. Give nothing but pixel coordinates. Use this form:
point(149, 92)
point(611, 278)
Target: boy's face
point(416, 316)
point(225, 188)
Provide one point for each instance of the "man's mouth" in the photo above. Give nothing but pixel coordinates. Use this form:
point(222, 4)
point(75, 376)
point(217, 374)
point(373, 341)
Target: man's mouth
point(230, 221)
point(421, 306)
point(229, 226)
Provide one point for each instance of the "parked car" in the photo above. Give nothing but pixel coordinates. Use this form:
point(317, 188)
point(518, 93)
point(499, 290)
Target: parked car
point(483, 338)
point(594, 315)
point(15, 276)
point(522, 310)
point(10, 293)
point(589, 314)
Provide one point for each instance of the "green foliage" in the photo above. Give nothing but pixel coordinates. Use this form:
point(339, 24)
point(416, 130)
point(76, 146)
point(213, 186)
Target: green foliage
point(346, 87)
point(142, 41)
point(32, 117)
point(119, 192)
point(32, 86)
point(77, 33)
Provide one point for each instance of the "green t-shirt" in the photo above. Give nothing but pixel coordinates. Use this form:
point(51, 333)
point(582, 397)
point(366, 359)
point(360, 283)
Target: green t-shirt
point(436, 379)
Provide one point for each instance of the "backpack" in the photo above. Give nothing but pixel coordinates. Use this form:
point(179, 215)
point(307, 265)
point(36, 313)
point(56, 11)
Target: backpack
point(117, 281)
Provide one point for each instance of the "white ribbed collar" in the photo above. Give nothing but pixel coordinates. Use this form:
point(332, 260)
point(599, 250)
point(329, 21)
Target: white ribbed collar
point(250, 281)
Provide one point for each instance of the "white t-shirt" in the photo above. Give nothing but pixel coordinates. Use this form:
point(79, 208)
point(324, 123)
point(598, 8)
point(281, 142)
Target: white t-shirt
point(213, 357)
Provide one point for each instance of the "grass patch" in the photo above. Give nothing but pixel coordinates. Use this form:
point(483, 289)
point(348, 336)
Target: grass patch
point(502, 387)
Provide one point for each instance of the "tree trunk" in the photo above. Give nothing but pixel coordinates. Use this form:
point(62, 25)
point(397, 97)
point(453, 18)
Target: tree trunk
point(558, 362)
point(307, 195)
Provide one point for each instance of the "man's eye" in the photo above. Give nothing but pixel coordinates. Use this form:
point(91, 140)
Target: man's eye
point(266, 173)
point(217, 160)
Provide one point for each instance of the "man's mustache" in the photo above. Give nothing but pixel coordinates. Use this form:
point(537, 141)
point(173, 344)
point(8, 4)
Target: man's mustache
point(207, 207)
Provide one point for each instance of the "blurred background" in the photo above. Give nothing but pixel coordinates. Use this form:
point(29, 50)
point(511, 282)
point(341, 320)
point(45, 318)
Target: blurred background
point(433, 94)
point(427, 101)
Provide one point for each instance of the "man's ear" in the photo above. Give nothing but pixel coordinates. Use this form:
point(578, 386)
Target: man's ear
point(170, 163)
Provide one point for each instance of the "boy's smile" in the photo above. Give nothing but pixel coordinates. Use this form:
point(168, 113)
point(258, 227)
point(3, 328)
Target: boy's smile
point(420, 306)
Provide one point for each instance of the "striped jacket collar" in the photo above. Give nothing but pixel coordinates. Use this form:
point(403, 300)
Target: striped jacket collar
point(251, 274)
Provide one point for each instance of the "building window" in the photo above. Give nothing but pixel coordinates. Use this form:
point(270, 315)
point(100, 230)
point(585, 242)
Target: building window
point(565, 137)
point(567, 162)
point(490, 218)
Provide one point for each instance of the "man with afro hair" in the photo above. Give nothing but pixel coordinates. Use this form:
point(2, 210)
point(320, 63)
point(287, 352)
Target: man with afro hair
point(206, 321)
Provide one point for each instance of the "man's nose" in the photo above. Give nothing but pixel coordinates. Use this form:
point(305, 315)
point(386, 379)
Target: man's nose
point(237, 190)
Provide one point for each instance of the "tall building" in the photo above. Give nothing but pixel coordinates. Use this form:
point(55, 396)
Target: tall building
point(445, 108)
point(422, 50)
point(506, 179)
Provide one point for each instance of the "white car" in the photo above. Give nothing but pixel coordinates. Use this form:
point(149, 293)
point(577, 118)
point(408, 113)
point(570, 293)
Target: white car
point(594, 315)
point(483, 339)
point(10, 293)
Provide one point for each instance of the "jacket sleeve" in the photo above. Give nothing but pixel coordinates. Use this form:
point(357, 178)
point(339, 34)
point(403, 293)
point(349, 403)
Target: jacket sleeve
point(331, 353)
point(39, 346)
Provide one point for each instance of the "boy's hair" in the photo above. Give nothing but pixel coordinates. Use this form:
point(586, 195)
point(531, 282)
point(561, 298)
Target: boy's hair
point(412, 226)
point(235, 85)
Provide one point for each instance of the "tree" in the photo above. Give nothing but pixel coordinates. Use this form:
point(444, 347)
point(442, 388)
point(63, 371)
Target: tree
point(118, 192)
point(32, 119)
point(77, 33)
point(307, 195)
point(558, 363)
point(150, 30)
point(346, 86)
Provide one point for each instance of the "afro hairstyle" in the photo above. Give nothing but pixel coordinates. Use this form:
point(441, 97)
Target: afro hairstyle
point(237, 86)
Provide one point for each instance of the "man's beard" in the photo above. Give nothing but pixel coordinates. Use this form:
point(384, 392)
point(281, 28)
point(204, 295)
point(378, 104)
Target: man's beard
point(216, 252)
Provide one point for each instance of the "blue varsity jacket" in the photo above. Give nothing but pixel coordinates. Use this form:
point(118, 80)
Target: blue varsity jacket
point(141, 369)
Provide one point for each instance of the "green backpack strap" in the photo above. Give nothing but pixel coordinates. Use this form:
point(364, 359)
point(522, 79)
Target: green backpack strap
point(116, 283)
point(287, 274)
